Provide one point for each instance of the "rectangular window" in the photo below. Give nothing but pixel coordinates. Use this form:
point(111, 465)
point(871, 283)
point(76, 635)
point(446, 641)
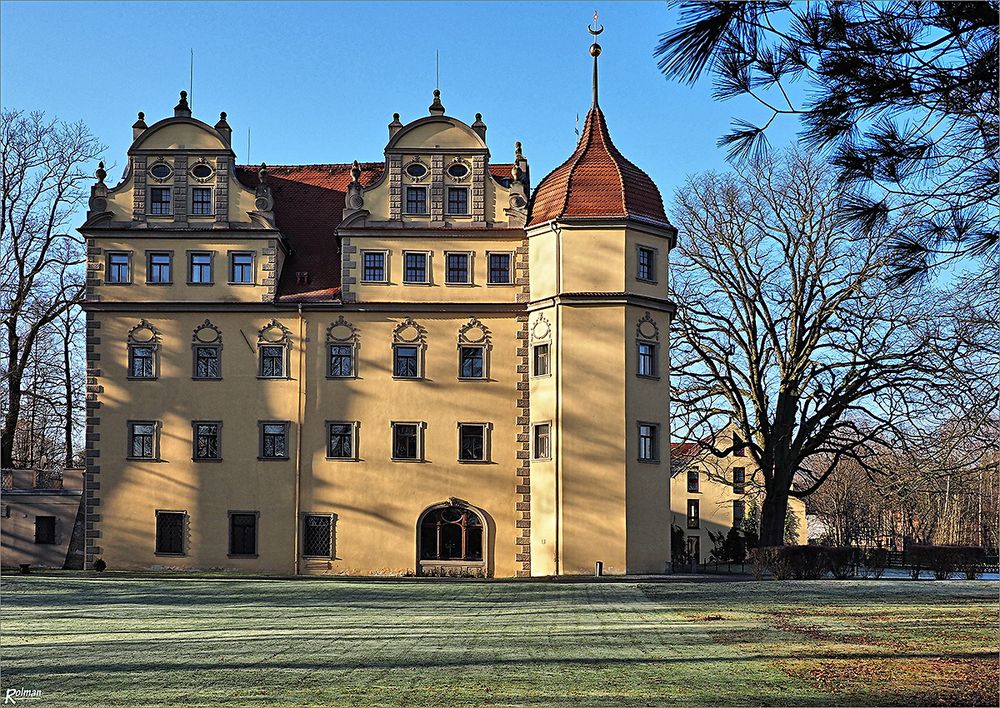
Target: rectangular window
point(200, 267)
point(317, 536)
point(543, 441)
point(647, 359)
point(170, 532)
point(646, 264)
point(159, 201)
point(405, 362)
point(499, 269)
point(242, 533)
point(274, 441)
point(142, 440)
point(694, 483)
point(416, 200)
point(201, 201)
point(141, 361)
point(341, 361)
point(117, 270)
point(738, 446)
point(739, 511)
point(693, 517)
point(647, 442)
point(405, 441)
point(472, 442)
point(45, 529)
point(207, 362)
point(374, 267)
point(272, 361)
point(540, 360)
point(458, 200)
point(739, 480)
point(340, 441)
point(241, 268)
point(472, 362)
point(414, 267)
point(206, 441)
point(158, 269)
point(457, 269)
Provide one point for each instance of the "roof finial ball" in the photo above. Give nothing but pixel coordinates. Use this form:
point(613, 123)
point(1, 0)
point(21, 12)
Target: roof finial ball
point(182, 108)
point(437, 108)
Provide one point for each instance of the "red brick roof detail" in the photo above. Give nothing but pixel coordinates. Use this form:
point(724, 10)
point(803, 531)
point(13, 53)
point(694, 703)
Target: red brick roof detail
point(501, 171)
point(308, 207)
point(597, 181)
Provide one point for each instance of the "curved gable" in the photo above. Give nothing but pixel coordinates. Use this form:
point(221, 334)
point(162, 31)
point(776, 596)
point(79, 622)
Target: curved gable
point(436, 132)
point(180, 133)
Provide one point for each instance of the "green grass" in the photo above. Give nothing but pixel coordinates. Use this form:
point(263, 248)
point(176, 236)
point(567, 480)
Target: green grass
point(168, 640)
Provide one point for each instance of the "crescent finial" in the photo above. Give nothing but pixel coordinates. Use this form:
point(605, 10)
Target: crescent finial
point(595, 29)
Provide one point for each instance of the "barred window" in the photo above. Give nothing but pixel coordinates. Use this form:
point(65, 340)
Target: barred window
point(472, 362)
point(458, 268)
point(317, 536)
point(458, 200)
point(45, 529)
point(472, 442)
point(158, 269)
point(142, 439)
point(117, 270)
point(739, 480)
point(405, 363)
point(159, 200)
point(374, 267)
point(499, 269)
point(647, 442)
point(414, 267)
point(242, 534)
point(341, 360)
point(416, 200)
point(142, 364)
point(170, 532)
point(341, 441)
point(272, 361)
point(206, 441)
point(694, 482)
point(647, 264)
point(647, 359)
point(274, 441)
point(201, 268)
point(201, 201)
point(405, 441)
point(207, 364)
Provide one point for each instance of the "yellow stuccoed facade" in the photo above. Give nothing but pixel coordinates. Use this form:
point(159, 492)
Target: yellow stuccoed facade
point(222, 433)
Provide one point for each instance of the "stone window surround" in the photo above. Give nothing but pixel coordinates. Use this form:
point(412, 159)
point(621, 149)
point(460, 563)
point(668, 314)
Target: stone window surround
point(655, 460)
point(385, 266)
point(510, 272)
point(333, 525)
point(471, 255)
point(260, 440)
point(157, 426)
point(229, 532)
point(107, 267)
point(487, 440)
point(149, 266)
point(355, 430)
point(428, 267)
point(534, 440)
point(421, 430)
point(253, 267)
point(190, 267)
point(655, 259)
point(655, 355)
point(185, 521)
point(194, 440)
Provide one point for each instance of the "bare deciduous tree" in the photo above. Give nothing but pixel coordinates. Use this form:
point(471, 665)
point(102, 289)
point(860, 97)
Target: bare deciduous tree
point(41, 274)
point(789, 327)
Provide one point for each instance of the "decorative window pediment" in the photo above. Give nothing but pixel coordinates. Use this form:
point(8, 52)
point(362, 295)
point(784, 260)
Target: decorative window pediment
point(646, 328)
point(144, 333)
point(274, 333)
point(207, 333)
point(409, 332)
point(540, 329)
point(474, 332)
point(341, 331)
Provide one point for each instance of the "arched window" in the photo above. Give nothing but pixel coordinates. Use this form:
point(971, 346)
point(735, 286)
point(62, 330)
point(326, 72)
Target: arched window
point(451, 533)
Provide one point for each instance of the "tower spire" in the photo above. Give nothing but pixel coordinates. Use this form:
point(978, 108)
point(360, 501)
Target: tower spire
point(595, 50)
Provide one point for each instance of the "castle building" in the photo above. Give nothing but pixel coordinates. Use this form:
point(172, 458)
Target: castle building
point(416, 366)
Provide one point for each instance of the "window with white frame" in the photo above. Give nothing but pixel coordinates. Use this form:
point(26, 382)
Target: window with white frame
point(341, 440)
point(407, 441)
point(542, 441)
point(648, 444)
point(473, 442)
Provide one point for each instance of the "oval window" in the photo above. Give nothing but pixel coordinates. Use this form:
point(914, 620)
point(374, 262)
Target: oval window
point(201, 171)
point(160, 171)
point(458, 170)
point(415, 169)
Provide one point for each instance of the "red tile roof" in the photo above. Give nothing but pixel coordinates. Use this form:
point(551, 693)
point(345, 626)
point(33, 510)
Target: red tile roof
point(308, 206)
point(597, 181)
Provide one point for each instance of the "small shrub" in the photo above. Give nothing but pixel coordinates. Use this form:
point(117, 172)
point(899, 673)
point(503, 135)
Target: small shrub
point(758, 560)
point(876, 561)
point(804, 562)
point(774, 560)
point(839, 561)
point(100, 566)
point(945, 561)
point(971, 561)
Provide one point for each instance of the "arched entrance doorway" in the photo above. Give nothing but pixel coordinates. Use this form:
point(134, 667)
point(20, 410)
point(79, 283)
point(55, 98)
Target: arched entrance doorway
point(452, 540)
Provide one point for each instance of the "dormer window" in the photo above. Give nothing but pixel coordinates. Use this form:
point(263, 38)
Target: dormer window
point(416, 200)
point(416, 170)
point(159, 200)
point(458, 200)
point(202, 171)
point(160, 170)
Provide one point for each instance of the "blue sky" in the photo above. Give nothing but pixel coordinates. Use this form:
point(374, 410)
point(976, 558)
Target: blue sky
point(319, 81)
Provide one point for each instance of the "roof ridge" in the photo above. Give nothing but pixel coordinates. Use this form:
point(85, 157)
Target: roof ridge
point(613, 152)
point(316, 165)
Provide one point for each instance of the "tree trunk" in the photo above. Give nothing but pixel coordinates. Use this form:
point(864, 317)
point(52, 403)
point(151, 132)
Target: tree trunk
point(68, 383)
point(772, 518)
point(14, 380)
